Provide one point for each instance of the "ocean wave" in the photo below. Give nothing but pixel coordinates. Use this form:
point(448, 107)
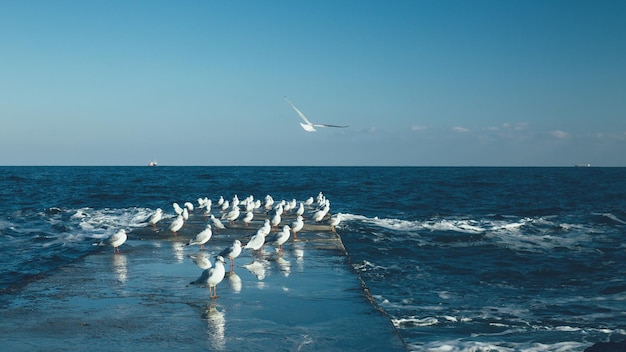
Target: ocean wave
point(461, 345)
point(516, 233)
point(55, 236)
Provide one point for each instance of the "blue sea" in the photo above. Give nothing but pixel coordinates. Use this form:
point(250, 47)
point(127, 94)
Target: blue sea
point(460, 259)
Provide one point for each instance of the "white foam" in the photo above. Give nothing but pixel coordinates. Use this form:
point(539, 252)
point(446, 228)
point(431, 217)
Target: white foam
point(460, 345)
point(612, 217)
point(412, 321)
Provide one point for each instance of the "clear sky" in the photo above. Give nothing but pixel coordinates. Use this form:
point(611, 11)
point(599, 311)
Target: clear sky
point(420, 83)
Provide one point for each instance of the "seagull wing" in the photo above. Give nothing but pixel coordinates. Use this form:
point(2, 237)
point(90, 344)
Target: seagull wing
point(327, 125)
point(299, 113)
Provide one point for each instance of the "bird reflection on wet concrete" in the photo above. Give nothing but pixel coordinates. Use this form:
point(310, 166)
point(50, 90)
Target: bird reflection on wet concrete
point(216, 326)
point(120, 267)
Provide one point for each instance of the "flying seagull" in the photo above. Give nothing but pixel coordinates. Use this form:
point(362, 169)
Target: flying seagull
point(307, 125)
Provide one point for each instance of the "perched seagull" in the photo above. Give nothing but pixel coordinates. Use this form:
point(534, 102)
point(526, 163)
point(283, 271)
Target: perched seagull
point(216, 275)
point(265, 228)
point(177, 208)
point(248, 218)
point(203, 237)
point(177, 224)
point(116, 240)
point(217, 223)
point(276, 219)
point(334, 221)
point(189, 206)
point(232, 252)
point(307, 125)
point(280, 237)
point(269, 201)
point(320, 214)
point(300, 210)
point(156, 217)
point(256, 242)
point(213, 276)
point(232, 215)
point(297, 225)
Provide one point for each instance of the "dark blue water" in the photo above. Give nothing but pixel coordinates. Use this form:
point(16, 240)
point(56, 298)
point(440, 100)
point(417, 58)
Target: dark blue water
point(462, 259)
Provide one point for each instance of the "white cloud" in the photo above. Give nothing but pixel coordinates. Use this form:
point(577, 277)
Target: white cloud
point(559, 134)
point(416, 128)
point(460, 129)
point(518, 126)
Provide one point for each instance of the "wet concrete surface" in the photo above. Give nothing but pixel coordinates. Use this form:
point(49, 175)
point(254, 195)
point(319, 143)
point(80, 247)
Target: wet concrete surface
point(306, 298)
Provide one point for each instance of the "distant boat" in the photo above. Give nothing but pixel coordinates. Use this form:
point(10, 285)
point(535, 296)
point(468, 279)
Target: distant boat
point(582, 165)
point(153, 163)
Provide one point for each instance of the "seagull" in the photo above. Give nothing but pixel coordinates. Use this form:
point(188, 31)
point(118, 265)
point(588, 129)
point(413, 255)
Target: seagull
point(116, 240)
point(300, 210)
point(307, 125)
point(232, 215)
point(177, 224)
point(216, 275)
point(156, 217)
point(256, 242)
point(334, 221)
point(276, 219)
point(265, 228)
point(217, 223)
point(232, 252)
point(177, 208)
point(203, 237)
point(248, 218)
point(185, 214)
point(320, 214)
point(280, 237)
point(297, 225)
point(213, 276)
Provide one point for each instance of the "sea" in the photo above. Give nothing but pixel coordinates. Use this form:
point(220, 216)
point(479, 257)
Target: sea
point(458, 258)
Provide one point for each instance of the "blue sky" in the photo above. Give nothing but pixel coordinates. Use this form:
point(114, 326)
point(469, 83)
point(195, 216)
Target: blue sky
point(423, 83)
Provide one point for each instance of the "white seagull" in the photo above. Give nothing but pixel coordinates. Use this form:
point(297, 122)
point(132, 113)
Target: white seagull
point(307, 125)
point(334, 221)
point(213, 276)
point(256, 242)
point(177, 224)
point(217, 223)
point(156, 217)
point(248, 218)
point(265, 228)
point(216, 275)
point(203, 237)
point(232, 215)
point(297, 225)
point(280, 237)
point(116, 240)
point(177, 208)
point(232, 252)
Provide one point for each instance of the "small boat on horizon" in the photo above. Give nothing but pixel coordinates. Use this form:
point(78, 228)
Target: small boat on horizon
point(153, 163)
